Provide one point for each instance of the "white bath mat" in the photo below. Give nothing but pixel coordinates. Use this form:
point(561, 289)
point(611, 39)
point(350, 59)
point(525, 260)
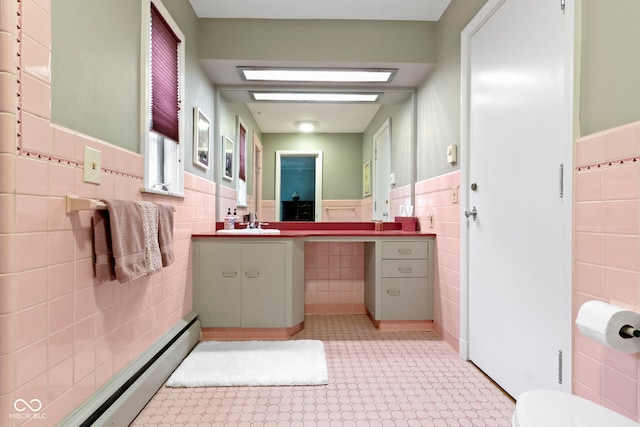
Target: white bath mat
point(252, 363)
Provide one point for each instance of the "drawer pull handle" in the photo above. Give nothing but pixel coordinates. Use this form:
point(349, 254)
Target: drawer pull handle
point(229, 273)
point(405, 270)
point(251, 274)
point(393, 292)
point(404, 251)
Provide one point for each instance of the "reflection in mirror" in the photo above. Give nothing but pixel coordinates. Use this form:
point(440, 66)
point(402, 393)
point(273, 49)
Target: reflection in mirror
point(354, 124)
point(298, 185)
point(227, 158)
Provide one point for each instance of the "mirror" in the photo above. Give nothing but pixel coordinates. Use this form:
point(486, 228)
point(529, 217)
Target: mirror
point(341, 124)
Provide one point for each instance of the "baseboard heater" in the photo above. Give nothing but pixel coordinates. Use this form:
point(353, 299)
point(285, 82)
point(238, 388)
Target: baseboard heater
point(118, 402)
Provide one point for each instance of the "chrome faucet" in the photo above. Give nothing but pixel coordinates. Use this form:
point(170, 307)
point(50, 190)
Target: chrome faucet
point(253, 220)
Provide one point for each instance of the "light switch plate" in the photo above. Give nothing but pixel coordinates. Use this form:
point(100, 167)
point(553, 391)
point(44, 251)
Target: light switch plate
point(452, 154)
point(92, 165)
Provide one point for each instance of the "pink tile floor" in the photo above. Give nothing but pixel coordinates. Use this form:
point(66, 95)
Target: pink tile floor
point(375, 379)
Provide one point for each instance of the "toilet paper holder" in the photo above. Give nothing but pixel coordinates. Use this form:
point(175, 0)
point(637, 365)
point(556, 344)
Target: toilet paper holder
point(628, 331)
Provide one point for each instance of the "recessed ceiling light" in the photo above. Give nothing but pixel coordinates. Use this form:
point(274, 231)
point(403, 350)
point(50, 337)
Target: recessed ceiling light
point(315, 96)
point(306, 126)
point(319, 75)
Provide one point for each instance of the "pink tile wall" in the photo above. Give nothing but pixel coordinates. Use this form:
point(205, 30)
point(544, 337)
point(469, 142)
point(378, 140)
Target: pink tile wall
point(61, 336)
point(334, 271)
point(267, 210)
point(437, 212)
point(399, 197)
point(607, 259)
point(342, 210)
point(334, 278)
point(228, 200)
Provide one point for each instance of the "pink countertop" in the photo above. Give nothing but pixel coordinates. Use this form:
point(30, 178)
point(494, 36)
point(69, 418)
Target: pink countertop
point(322, 229)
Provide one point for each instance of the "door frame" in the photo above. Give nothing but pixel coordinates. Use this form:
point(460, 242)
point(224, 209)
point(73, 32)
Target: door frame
point(381, 181)
point(257, 174)
point(318, 193)
point(567, 274)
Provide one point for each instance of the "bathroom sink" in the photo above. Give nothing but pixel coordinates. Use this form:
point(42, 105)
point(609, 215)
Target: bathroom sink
point(249, 231)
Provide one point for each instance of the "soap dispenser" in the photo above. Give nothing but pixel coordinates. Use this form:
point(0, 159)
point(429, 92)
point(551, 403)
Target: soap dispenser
point(229, 221)
point(236, 218)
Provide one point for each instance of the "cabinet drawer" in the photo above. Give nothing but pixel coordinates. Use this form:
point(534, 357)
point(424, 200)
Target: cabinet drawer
point(404, 250)
point(405, 268)
point(405, 299)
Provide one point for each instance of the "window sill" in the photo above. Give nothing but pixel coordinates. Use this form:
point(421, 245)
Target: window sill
point(161, 192)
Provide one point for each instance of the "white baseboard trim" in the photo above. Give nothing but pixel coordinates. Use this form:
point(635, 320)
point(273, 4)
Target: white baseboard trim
point(118, 402)
point(464, 349)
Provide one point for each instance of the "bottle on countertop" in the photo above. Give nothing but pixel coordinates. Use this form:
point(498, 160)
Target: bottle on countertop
point(229, 221)
point(236, 217)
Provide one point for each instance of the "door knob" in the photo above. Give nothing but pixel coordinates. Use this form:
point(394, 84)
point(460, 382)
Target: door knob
point(471, 213)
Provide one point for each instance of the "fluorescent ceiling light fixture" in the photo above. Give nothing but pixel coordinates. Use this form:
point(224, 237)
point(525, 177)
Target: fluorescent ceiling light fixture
point(306, 126)
point(318, 75)
point(315, 96)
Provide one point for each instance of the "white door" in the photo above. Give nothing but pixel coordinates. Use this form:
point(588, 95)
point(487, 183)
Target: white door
point(517, 81)
point(381, 172)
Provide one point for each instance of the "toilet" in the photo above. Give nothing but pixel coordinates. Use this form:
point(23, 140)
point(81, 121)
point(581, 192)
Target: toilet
point(548, 408)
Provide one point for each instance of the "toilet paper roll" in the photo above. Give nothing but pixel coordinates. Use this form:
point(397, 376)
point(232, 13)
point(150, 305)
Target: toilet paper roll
point(602, 323)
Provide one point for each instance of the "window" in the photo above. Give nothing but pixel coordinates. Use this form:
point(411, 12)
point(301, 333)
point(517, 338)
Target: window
point(163, 117)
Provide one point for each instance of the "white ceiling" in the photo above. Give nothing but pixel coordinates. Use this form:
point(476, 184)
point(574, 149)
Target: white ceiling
point(331, 118)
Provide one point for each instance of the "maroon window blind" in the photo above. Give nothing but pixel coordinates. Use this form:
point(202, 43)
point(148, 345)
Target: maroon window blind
point(165, 102)
point(243, 148)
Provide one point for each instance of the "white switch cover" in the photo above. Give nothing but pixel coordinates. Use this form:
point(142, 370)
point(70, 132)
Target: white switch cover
point(92, 165)
point(392, 179)
point(452, 154)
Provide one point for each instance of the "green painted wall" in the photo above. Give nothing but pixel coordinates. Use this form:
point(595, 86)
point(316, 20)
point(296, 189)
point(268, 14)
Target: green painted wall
point(401, 123)
point(95, 70)
point(95, 67)
point(342, 158)
point(609, 64)
point(438, 99)
point(318, 40)
point(229, 113)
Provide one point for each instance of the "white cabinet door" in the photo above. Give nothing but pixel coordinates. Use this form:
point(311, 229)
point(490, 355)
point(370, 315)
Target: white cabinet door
point(218, 293)
point(241, 284)
point(263, 284)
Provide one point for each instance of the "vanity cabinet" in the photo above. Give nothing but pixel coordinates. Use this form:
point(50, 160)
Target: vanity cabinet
point(399, 279)
point(248, 284)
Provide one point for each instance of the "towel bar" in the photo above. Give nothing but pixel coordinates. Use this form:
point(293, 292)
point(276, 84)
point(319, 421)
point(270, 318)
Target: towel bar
point(340, 208)
point(75, 204)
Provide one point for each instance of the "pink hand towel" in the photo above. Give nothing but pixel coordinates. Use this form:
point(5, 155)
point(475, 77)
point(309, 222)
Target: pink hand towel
point(104, 262)
point(127, 239)
point(152, 257)
point(165, 233)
